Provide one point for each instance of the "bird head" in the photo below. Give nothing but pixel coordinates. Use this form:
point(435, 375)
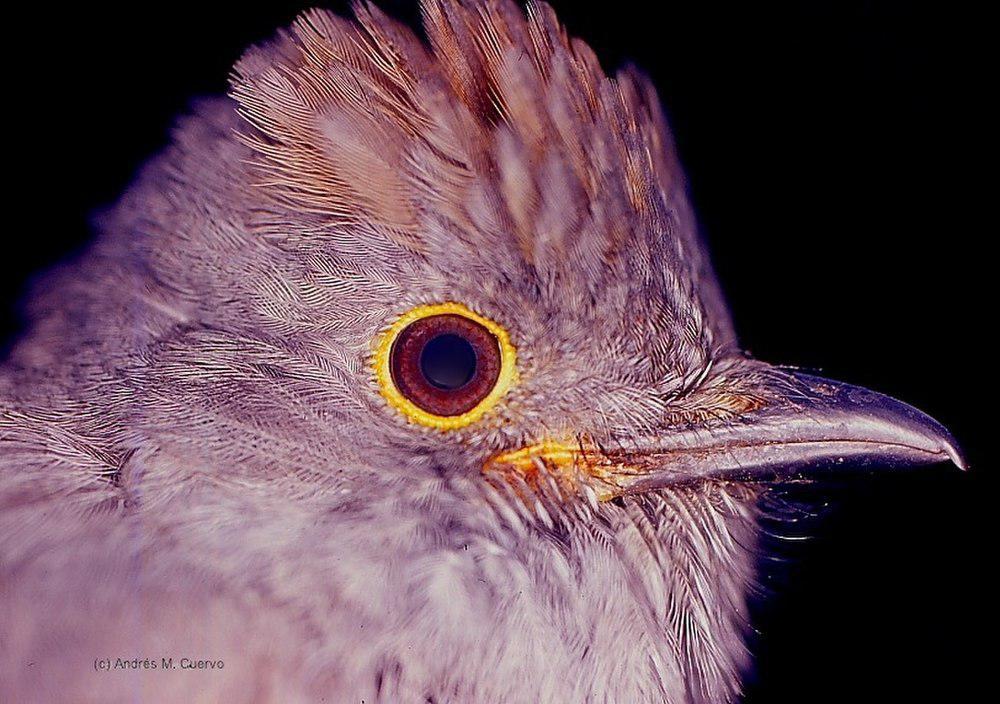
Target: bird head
point(418, 336)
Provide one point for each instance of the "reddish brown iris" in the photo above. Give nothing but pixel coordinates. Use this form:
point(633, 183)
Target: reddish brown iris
point(445, 364)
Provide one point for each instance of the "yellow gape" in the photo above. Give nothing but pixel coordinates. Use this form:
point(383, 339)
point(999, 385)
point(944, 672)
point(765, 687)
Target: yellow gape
point(444, 366)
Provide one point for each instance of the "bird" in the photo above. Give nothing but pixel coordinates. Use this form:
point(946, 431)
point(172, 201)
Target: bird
point(403, 375)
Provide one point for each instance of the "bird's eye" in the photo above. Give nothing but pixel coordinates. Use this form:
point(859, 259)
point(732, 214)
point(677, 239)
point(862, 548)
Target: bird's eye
point(444, 366)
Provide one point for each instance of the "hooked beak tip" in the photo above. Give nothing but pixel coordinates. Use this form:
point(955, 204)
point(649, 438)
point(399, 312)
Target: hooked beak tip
point(951, 448)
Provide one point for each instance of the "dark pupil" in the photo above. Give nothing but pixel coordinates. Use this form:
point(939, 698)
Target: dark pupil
point(448, 362)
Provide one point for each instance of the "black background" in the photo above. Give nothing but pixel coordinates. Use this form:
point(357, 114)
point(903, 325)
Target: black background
point(821, 142)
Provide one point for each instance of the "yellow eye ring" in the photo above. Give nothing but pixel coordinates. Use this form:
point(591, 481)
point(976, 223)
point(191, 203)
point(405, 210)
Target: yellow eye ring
point(399, 354)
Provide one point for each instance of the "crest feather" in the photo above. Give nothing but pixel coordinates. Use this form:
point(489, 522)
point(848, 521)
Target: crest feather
point(501, 130)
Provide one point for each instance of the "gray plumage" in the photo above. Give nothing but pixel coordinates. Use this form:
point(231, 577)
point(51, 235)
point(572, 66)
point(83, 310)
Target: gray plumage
point(196, 460)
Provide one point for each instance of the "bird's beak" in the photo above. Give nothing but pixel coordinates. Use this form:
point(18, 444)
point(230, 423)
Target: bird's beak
point(809, 424)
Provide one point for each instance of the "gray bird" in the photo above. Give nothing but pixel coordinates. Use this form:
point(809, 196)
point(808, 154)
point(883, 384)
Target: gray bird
point(402, 376)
